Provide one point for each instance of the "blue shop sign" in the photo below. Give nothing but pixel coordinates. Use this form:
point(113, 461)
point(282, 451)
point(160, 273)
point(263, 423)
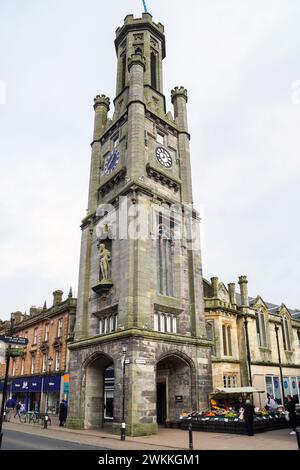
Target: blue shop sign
point(52, 383)
point(27, 384)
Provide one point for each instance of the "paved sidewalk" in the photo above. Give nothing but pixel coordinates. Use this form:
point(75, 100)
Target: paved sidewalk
point(166, 439)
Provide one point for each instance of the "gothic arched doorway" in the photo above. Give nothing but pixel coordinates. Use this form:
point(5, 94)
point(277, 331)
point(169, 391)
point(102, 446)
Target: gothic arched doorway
point(174, 386)
point(96, 391)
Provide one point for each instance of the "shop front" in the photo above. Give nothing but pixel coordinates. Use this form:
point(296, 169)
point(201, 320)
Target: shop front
point(51, 390)
point(28, 390)
point(226, 413)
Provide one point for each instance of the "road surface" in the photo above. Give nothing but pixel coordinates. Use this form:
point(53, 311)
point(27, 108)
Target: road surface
point(15, 440)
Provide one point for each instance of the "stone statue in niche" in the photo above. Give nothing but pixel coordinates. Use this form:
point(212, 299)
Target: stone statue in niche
point(105, 262)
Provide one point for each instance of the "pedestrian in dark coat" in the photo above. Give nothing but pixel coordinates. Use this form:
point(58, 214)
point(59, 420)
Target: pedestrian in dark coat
point(249, 417)
point(291, 408)
point(62, 413)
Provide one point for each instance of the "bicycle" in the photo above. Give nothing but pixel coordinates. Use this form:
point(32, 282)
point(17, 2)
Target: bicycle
point(28, 417)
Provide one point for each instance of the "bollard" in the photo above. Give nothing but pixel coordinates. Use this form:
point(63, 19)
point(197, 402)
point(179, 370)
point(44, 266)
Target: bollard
point(123, 431)
point(46, 418)
point(298, 437)
point(190, 436)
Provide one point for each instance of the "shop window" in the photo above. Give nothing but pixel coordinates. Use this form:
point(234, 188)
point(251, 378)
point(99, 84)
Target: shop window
point(269, 385)
point(276, 389)
point(294, 389)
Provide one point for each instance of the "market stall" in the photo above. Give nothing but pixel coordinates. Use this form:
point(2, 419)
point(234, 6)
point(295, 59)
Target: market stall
point(226, 413)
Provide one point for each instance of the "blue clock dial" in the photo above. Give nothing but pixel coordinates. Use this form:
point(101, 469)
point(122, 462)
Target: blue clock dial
point(111, 161)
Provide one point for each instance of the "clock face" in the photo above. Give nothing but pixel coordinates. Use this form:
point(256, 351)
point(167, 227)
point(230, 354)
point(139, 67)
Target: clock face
point(163, 157)
point(111, 161)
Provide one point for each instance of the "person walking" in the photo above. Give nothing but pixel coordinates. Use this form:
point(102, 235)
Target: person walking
point(291, 408)
point(62, 413)
point(249, 417)
point(18, 409)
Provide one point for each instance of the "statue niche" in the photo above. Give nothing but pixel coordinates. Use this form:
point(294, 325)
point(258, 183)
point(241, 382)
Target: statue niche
point(105, 263)
point(104, 254)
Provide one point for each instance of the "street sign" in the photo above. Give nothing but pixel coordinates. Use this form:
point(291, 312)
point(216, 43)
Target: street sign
point(14, 340)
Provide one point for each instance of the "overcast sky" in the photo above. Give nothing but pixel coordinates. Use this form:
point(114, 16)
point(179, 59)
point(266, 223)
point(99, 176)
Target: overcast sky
point(240, 63)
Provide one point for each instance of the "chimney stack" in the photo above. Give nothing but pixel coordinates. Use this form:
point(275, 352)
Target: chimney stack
point(215, 286)
point(57, 297)
point(231, 290)
point(243, 282)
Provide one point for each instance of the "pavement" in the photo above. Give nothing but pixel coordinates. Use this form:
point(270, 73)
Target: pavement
point(166, 439)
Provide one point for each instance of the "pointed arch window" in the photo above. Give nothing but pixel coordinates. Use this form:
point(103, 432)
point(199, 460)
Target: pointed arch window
point(226, 334)
point(261, 330)
point(164, 253)
point(123, 71)
point(286, 334)
point(153, 70)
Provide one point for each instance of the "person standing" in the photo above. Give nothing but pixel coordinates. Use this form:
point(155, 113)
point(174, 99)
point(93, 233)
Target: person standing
point(291, 408)
point(249, 417)
point(62, 413)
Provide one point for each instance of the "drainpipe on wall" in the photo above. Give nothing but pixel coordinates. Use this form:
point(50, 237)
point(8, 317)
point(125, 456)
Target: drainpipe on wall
point(279, 364)
point(248, 350)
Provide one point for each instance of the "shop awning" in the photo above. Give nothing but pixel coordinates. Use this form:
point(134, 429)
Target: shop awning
point(234, 391)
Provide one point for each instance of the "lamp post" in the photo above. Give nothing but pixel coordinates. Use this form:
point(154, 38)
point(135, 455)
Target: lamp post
point(4, 391)
point(50, 361)
point(123, 424)
point(279, 363)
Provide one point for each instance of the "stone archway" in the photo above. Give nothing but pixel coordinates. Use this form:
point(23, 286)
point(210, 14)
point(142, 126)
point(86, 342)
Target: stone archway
point(94, 390)
point(175, 379)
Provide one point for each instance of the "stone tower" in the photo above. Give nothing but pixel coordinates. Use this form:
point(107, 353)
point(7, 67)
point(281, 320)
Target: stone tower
point(140, 299)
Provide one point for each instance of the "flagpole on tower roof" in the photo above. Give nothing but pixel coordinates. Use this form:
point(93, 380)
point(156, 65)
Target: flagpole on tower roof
point(145, 6)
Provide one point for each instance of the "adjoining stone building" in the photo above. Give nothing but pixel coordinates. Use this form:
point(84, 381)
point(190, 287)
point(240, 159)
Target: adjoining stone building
point(228, 315)
point(140, 294)
point(40, 376)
